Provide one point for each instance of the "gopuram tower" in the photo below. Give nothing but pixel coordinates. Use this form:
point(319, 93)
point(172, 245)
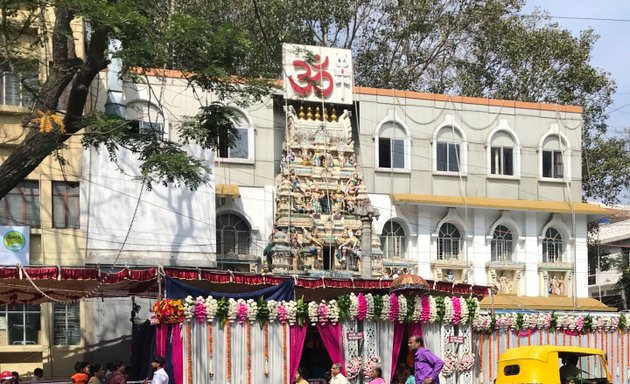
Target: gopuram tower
point(323, 218)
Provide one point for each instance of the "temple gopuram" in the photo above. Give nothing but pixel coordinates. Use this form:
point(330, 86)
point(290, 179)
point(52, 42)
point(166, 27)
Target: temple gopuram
point(321, 199)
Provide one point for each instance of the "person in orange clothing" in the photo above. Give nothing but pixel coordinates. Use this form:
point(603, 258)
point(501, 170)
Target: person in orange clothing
point(82, 369)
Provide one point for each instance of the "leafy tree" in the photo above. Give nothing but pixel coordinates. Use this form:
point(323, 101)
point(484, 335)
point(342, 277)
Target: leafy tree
point(159, 33)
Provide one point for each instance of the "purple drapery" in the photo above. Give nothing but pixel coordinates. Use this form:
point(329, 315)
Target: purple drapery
point(399, 332)
point(161, 333)
point(331, 337)
point(177, 346)
point(296, 345)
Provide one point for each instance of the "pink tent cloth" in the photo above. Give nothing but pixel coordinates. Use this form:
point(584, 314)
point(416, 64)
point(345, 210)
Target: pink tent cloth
point(331, 337)
point(297, 336)
point(399, 332)
point(161, 333)
point(177, 353)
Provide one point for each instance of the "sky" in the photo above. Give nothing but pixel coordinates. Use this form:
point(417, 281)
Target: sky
point(611, 52)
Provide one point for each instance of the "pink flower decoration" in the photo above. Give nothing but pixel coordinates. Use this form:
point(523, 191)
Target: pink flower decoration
point(457, 310)
point(362, 310)
point(394, 308)
point(322, 313)
point(426, 309)
point(241, 312)
point(200, 311)
point(282, 313)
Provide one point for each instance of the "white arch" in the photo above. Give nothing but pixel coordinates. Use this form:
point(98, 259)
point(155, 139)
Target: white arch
point(504, 127)
point(566, 152)
point(392, 117)
point(449, 121)
point(453, 218)
point(506, 220)
point(558, 224)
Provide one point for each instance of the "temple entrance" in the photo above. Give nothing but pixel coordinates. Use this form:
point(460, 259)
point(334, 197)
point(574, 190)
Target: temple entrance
point(315, 359)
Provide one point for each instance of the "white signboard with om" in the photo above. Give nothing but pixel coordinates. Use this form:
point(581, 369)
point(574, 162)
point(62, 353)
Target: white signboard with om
point(317, 73)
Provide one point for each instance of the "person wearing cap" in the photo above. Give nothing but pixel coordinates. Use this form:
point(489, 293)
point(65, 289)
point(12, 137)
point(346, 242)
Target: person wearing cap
point(427, 366)
point(6, 376)
point(159, 376)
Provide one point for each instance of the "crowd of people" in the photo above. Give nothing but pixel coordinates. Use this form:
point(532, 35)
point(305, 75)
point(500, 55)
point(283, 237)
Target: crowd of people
point(426, 368)
point(94, 373)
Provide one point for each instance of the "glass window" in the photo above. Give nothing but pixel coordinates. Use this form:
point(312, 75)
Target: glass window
point(552, 246)
point(21, 205)
point(448, 157)
point(391, 153)
point(12, 92)
point(233, 235)
point(502, 161)
point(393, 240)
point(501, 246)
point(240, 146)
point(66, 324)
point(552, 164)
point(23, 323)
point(448, 242)
point(65, 204)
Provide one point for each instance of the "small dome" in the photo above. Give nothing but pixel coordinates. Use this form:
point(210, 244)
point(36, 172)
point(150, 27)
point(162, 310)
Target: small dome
point(409, 283)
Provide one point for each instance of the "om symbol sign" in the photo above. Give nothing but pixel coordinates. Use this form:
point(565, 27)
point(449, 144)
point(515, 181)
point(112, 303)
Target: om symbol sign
point(312, 79)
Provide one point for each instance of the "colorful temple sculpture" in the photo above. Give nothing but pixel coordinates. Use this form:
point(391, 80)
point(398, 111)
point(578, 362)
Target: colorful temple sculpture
point(321, 199)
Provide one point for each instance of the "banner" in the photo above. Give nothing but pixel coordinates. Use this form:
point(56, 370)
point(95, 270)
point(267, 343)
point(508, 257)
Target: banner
point(176, 289)
point(15, 246)
point(317, 74)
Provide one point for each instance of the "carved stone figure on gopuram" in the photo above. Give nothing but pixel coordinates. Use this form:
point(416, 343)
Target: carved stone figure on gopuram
point(320, 194)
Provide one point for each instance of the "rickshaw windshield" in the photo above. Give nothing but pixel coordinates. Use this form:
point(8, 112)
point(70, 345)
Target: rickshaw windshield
point(577, 368)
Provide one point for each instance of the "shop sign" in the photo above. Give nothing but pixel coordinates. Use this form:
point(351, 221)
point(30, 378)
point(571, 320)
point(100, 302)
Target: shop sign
point(456, 339)
point(355, 336)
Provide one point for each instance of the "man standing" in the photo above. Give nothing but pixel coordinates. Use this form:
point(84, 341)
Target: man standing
point(160, 376)
point(335, 375)
point(426, 365)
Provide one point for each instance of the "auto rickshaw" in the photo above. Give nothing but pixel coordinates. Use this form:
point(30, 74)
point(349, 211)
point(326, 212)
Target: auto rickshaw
point(553, 364)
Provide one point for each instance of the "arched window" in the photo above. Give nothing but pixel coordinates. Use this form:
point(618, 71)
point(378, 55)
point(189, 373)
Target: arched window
point(449, 150)
point(393, 240)
point(502, 154)
point(449, 241)
point(392, 146)
point(233, 235)
point(554, 156)
point(501, 246)
point(552, 246)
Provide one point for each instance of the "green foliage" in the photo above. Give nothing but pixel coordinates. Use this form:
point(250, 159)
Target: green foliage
point(411, 304)
point(343, 302)
point(378, 307)
point(263, 312)
point(222, 311)
point(440, 308)
point(301, 311)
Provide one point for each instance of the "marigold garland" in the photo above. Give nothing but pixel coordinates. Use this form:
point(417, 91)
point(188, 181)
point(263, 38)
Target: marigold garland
point(249, 353)
point(210, 372)
point(189, 353)
point(266, 342)
point(284, 353)
point(228, 365)
point(48, 121)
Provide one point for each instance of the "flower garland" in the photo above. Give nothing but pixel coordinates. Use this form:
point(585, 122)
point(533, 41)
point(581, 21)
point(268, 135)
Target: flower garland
point(228, 353)
point(266, 342)
point(284, 352)
point(249, 353)
point(392, 307)
point(210, 351)
point(372, 362)
point(189, 354)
